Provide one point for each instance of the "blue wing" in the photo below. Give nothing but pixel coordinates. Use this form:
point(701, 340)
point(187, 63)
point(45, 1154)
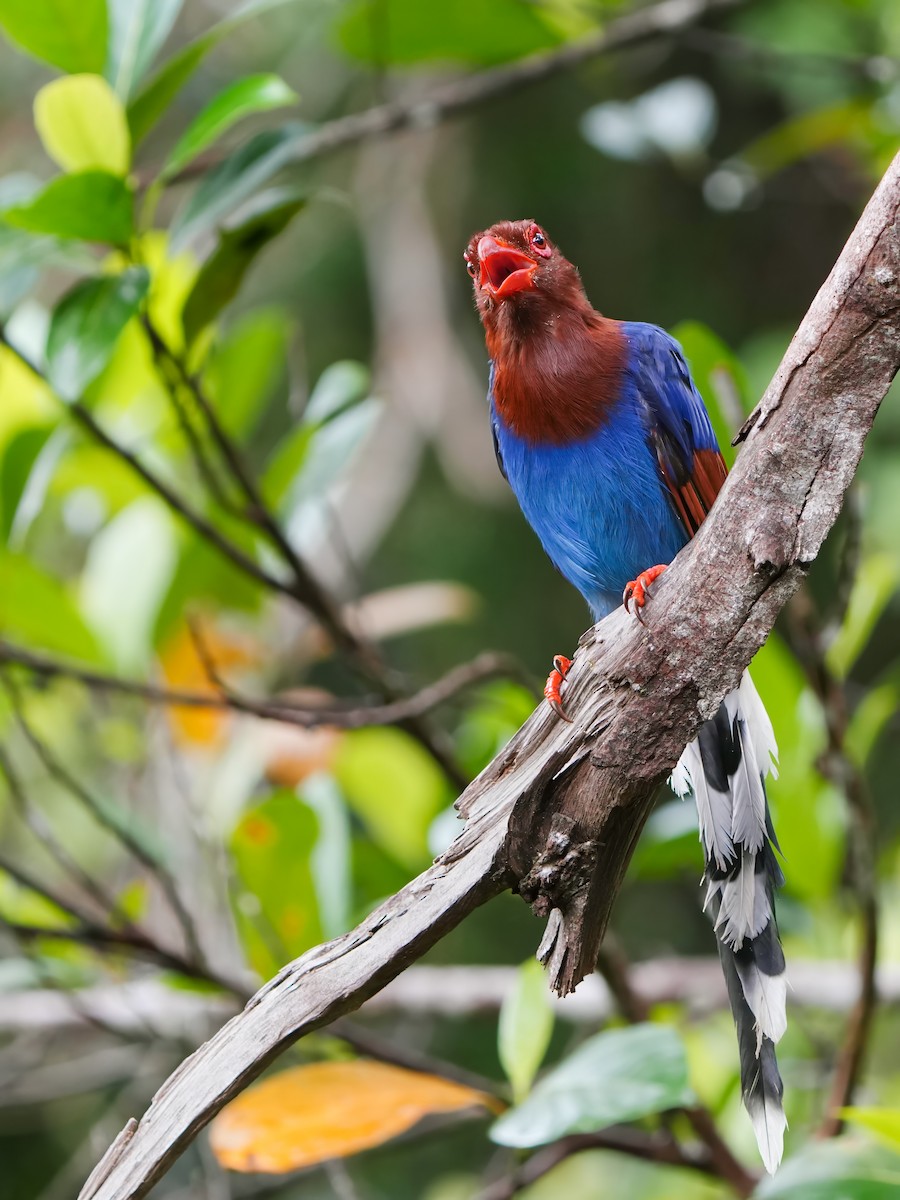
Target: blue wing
point(678, 426)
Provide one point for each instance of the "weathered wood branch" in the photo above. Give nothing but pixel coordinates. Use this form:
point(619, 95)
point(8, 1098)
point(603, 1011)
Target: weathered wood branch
point(557, 813)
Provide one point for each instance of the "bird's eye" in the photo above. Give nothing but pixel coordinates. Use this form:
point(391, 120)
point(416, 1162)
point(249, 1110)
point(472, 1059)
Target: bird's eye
point(470, 267)
point(538, 239)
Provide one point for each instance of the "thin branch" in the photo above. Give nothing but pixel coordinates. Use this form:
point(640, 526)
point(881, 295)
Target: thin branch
point(306, 592)
point(126, 941)
point(35, 822)
point(489, 665)
point(808, 638)
point(666, 19)
point(637, 694)
point(625, 1139)
point(118, 829)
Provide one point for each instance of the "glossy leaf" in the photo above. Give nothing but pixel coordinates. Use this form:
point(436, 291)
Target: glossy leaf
point(24, 255)
point(340, 389)
point(233, 182)
point(69, 34)
point(86, 325)
point(256, 93)
point(38, 609)
point(277, 910)
point(161, 90)
point(615, 1076)
point(468, 31)
point(138, 30)
point(223, 272)
point(91, 206)
point(525, 1027)
point(324, 1111)
point(835, 1170)
point(393, 785)
point(875, 584)
point(82, 125)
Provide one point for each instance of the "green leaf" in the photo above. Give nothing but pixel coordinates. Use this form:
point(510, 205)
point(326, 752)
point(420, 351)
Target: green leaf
point(92, 206)
point(256, 93)
point(81, 122)
point(835, 1171)
point(135, 555)
point(223, 272)
point(277, 912)
point(232, 182)
point(870, 717)
point(340, 389)
point(468, 31)
point(246, 367)
point(86, 325)
point(875, 584)
point(341, 386)
point(393, 785)
point(330, 455)
point(16, 465)
point(615, 1076)
point(884, 1122)
point(36, 608)
point(161, 90)
point(139, 28)
point(69, 34)
point(525, 1027)
point(22, 257)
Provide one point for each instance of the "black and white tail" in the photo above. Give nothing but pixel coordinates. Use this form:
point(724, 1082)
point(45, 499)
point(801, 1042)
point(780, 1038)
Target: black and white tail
point(725, 770)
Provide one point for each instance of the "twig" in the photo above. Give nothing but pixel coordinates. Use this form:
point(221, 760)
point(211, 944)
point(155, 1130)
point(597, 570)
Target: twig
point(666, 19)
point(117, 829)
point(127, 941)
point(489, 665)
point(652, 1147)
point(309, 594)
point(304, 587)
point(34, 820)
point(808, 638)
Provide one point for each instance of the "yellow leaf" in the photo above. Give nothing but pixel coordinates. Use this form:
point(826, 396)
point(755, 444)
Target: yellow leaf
point(82, 124)
point(329, 1110)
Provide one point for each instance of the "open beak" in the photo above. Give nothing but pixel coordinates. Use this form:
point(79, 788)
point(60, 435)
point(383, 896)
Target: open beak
point(504, 270)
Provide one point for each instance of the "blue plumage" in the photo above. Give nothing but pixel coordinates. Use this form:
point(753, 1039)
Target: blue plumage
point(600, 505)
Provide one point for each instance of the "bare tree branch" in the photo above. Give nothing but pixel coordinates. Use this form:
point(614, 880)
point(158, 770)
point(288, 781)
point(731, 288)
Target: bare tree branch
point(284, 709)
point(559, 810)
point(666, 19)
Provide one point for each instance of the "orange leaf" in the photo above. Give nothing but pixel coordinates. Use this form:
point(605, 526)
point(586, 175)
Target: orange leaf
point(184, 670)
point(329, 1110)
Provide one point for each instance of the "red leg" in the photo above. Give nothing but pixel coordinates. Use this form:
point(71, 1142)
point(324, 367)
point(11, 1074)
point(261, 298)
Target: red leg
point(561, 666)
point(637, 590)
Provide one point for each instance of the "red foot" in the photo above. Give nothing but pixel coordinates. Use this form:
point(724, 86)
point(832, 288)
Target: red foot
point(637, 590)
point(561, 666)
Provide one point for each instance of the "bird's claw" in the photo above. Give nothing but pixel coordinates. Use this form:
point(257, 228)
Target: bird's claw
point(554, 682)
point(637, 590)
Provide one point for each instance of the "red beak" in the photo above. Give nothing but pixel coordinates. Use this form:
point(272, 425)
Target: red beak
point(504, 270)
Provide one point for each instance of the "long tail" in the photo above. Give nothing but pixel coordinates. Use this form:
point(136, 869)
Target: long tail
point(725, 770)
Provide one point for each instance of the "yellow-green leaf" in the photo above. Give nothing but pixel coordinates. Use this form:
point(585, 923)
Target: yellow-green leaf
point(329, 1110)
point(525, 1028)
point(83, 126)
point(883, 1122)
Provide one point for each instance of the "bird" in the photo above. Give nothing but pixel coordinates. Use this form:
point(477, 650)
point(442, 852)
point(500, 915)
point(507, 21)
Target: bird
point(602, 434)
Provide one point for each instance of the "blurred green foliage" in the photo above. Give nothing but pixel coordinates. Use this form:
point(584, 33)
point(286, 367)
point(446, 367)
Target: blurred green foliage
point(163, 236)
